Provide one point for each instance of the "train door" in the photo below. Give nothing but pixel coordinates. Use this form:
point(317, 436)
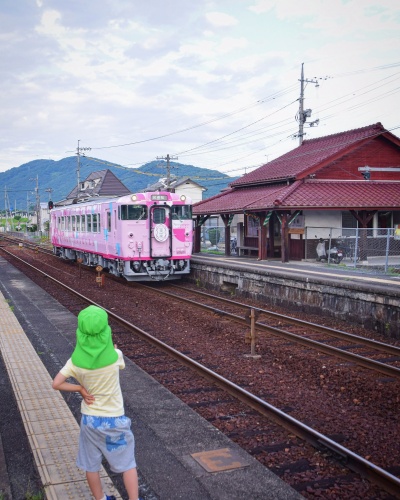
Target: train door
point(107, 225)
point(160, 231)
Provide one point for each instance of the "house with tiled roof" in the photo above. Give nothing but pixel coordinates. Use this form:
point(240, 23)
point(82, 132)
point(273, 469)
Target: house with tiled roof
point(349, 179)
point(179, 185)
point(102, 183)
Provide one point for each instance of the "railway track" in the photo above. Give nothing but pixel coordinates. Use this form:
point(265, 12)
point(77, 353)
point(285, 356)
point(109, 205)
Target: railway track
point(262, 435)
point(302, 331)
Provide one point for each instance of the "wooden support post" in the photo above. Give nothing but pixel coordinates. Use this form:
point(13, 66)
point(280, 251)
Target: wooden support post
point(225, 219)
point(251, 317)
point(99, 277)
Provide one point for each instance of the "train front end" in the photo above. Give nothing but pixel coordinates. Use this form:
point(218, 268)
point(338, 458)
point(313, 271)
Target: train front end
point(156, 235)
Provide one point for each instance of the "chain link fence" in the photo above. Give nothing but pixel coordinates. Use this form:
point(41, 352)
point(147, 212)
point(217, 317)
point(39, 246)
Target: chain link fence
point(376, 248)
point(213, 239)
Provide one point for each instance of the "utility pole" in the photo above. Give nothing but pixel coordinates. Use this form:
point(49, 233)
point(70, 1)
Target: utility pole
point(78, 168)
point(304, 114)
point(5, 207)
point(37, 202)
point(168, 158)
point(27, 211)
point(49, 190)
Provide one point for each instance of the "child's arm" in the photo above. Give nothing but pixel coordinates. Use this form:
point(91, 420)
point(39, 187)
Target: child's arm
point(60, 384)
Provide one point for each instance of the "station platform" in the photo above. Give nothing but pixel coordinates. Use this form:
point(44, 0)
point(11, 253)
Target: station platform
point(363, 276)
point(179, 454)
point(364, 297)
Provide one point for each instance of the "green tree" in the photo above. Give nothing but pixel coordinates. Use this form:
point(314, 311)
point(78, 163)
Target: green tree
point(214, 236)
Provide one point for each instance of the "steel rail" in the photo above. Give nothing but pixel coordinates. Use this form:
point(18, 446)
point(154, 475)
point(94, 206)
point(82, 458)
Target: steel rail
point(306, 324)
point(351, 460)
point(371, 364)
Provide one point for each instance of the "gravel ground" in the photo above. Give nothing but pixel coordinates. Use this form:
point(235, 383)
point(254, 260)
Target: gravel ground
point(358, 407)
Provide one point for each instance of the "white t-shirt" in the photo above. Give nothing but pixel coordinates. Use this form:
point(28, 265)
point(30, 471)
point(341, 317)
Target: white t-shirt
point(103, 384)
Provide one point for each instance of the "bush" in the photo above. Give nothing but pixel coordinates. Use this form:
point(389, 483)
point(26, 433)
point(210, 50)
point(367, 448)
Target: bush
point(214, 235)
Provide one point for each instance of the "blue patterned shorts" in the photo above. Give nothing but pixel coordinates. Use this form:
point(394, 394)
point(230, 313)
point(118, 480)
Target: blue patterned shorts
point(108, 437)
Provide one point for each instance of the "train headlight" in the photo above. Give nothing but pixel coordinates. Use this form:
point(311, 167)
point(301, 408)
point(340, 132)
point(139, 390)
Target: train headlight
point(183, 197)
point(134, 197)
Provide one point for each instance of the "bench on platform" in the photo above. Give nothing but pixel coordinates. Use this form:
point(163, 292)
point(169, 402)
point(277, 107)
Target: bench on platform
point(246, 249)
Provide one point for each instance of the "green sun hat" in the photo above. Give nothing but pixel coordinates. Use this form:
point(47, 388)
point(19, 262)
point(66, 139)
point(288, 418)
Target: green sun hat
point(94, 346)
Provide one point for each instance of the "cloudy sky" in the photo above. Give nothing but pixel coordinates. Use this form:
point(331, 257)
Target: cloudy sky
point(212, 82)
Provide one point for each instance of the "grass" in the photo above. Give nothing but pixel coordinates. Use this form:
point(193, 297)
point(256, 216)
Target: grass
point(34, 496)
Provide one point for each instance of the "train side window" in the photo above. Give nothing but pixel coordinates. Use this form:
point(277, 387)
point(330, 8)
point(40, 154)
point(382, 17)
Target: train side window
point(109, 221)
point(73, 223)
point(68, 223)
point(159, 215)
point(78, 223)
point(98, 223)
point(133, 212)
point(83, 224)
point(94, 223)
point(89, 223)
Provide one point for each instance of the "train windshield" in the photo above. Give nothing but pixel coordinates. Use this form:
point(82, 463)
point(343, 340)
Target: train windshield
point(181, 212)
point(133, 212)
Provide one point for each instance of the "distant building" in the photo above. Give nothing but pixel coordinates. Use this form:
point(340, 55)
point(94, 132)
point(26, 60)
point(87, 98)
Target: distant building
point(103, 184)
point(179, 185)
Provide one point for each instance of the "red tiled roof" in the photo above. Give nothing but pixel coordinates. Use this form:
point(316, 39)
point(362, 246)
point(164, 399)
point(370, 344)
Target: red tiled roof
point(238, 200)
point(309, 194)
point(312, 154)
point(344, 195)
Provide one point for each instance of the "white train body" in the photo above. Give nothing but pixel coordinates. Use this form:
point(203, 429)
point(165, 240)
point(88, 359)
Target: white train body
point(140, 237)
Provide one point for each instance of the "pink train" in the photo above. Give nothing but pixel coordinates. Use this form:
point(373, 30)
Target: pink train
point(140, 237)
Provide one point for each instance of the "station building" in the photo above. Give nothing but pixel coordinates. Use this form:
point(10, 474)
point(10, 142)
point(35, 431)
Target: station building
point(334, 183)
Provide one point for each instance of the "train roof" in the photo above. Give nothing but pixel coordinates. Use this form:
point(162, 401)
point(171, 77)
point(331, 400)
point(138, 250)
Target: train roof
point(119, 199)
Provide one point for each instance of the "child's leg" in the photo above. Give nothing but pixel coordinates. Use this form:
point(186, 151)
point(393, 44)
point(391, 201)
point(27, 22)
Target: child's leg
point(93, 479)
point(131, 483)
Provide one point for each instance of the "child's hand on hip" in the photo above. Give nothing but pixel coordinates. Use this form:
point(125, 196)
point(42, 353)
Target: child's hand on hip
point(88, 398)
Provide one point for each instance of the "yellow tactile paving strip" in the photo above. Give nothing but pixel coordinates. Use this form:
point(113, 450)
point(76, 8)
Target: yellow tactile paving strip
point(50, 425)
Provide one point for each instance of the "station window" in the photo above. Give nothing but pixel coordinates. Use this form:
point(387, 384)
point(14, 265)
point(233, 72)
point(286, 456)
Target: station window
point(252, 225)
point(132, 212)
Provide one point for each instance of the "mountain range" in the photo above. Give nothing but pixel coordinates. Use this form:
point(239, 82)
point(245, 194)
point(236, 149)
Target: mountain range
point(56, 179)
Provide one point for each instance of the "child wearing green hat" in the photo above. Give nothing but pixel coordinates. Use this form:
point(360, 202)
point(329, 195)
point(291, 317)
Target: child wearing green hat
point(105, 430)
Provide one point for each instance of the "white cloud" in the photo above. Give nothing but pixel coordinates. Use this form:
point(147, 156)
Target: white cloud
point(113, 73)
point(220, 19)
